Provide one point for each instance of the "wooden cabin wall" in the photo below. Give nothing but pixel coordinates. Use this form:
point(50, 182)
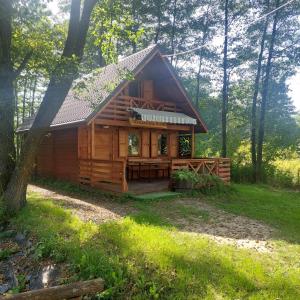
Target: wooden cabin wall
point(58, 155)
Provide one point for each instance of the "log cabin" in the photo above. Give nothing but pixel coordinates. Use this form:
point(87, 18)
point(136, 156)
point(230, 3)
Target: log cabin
point(131, 127)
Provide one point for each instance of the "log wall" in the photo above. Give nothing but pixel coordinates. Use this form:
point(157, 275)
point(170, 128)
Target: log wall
point(58, 155)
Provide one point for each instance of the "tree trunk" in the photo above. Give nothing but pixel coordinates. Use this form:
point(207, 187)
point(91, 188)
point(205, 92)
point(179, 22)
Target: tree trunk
point(17, 122)
point(173, 30)
point(24, 98)
point(7, 97)
point(265, 90)
point(225, 84)
point(254, 101)
point(158, 27)
point(59, 85)
point(33, 96)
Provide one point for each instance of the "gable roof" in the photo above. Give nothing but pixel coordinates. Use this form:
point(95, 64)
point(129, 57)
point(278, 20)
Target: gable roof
point(75, 110)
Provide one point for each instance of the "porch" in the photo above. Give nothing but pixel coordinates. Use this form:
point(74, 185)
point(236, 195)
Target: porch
point(148, 175)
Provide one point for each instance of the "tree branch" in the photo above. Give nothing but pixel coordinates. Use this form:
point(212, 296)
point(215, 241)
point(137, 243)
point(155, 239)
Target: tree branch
point(23, 64)
point(73, 28)
point(84, 26)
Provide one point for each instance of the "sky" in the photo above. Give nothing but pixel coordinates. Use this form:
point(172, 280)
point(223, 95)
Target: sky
point(293, 82)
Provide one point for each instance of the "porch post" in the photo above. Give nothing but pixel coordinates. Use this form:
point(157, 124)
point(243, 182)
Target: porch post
point(193, 142)
point(93, 139)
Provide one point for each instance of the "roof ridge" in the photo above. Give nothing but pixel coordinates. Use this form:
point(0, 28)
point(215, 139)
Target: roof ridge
point(138, 52)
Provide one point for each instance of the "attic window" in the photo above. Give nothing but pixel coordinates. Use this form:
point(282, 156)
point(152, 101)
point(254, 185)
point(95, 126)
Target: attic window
point(135, 89)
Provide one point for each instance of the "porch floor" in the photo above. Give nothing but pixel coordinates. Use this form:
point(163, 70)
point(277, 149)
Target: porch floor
point(138, 187)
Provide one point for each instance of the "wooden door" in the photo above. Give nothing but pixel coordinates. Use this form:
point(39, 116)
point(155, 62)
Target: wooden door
point(103, 142)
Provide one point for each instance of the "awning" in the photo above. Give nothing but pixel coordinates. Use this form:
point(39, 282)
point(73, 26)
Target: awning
point(163, 116)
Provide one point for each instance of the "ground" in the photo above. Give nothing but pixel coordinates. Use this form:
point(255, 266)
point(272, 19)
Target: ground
point(189, 215)
point(241, 244)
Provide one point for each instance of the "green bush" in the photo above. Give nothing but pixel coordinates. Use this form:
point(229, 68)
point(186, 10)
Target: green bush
point(270, 175)
point(199, 182)
point(185, 175)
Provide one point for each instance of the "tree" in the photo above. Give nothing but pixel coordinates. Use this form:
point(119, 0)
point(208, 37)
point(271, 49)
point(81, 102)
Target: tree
point(8, 74)
point(225, 83)
point(264, 98)
point(60, 82)
point(255, 95)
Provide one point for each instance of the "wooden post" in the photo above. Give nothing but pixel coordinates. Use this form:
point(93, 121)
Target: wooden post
point(193, 142)
point(93, 139)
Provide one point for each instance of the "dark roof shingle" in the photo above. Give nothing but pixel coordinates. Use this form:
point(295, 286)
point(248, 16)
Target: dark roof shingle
point(77, 109)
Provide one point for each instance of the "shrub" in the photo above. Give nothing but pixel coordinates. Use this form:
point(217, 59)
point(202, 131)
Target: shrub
point(199, 182)
point(271, 174)
point(185, 175)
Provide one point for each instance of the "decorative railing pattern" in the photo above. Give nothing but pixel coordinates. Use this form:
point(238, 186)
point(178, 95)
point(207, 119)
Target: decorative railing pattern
point(213, 166)
point(109, 175)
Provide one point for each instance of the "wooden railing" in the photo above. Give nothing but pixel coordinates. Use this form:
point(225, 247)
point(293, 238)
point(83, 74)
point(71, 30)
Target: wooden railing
point(108, 175)
point(213, 166)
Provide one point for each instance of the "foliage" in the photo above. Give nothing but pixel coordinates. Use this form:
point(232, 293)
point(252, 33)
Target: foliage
point(281, 173)
point(185, 175)
point(141, 260)
point(202, 182)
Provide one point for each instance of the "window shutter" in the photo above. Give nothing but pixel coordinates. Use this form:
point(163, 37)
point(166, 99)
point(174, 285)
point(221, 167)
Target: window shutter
point(145, 143)
point(173, 144)
point(123, 143)
point(153, 144)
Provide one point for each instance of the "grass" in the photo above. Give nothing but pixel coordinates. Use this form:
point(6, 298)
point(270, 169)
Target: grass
point(156, 196)
point(277, 207)
point(145, 257)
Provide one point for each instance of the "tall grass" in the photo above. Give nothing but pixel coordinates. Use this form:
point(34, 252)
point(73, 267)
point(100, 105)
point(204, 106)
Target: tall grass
point(290, 166)
point(281, 173)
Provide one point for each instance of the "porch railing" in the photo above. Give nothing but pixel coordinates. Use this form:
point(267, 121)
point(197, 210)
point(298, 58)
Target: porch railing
point(109, 175)
point(213, 166)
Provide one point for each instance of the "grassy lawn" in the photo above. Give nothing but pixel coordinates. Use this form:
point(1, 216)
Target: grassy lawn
point(144, 257)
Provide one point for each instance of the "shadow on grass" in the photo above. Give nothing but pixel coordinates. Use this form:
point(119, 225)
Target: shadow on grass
point(138, 260)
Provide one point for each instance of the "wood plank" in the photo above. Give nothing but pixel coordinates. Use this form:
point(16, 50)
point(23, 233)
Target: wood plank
point(67, 291)
point(154, 145)
point(145, 143)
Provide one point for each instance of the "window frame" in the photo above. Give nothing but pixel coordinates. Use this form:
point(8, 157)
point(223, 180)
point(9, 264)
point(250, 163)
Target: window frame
point(138, 133)
point(160, 133)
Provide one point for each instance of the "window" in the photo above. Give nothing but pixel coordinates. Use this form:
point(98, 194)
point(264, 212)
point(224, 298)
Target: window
point(162, 144)
point(185, 146)
point(133, 144)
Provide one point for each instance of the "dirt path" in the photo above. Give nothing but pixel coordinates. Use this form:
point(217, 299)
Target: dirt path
point(190, 216)
point(225, 227)
point(91, 209)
